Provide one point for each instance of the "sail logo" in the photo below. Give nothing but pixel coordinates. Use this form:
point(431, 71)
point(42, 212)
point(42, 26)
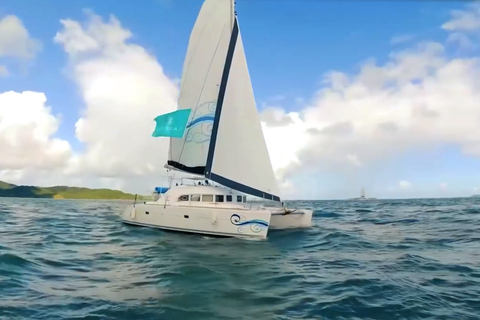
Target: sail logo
point(201, 125)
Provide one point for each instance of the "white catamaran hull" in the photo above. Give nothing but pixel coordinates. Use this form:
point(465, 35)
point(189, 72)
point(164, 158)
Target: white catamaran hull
point(210, 221)
point(222, 219)
point(298, 219)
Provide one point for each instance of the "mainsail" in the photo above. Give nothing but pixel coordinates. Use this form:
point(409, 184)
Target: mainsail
point(223, 139)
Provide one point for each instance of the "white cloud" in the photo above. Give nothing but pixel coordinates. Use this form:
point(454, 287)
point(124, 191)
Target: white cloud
point(462, 40)
point(404, 184)
point(464, 26)
point(419, 99)
point(124, 88)
point(353, 158)
point(443, 186)
point(276, 117)
point(26, 129)
point(28, 146)
point(464, 20)
point(285, 136)
point(15, 40)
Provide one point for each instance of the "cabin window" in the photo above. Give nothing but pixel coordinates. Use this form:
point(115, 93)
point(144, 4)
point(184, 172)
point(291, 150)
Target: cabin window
point(229, 198)
point(195, 197)
point(219, 198)
point(183, 198)
point(244, 198)
point(239, 198)
point(207, 198)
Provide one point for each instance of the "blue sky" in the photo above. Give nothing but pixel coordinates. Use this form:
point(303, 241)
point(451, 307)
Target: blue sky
point(290, 46)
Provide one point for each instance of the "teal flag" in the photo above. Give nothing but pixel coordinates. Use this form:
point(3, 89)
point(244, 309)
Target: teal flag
point(171, 124)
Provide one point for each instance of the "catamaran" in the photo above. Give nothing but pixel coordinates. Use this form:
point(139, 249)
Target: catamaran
point(362, 196)
point(216, 137)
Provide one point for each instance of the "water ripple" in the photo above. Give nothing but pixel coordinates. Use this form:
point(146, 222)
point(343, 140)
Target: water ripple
point(388, 259)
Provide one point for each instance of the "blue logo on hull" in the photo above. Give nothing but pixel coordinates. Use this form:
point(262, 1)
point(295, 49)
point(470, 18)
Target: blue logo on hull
point(256, 225)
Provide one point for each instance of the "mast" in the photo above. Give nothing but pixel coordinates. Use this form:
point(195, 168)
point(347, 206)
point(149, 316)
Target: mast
point(232, 12)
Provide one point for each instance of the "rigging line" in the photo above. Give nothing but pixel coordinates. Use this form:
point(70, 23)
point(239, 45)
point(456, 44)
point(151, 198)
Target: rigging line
point(201, 91)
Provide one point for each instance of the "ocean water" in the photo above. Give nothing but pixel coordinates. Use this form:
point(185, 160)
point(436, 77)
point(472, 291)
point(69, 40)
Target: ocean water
point(398, 259)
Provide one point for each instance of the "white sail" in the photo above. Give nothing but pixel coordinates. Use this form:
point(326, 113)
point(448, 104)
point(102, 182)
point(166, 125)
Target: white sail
point(224, 138)
point(199, 88)
point(238, 155)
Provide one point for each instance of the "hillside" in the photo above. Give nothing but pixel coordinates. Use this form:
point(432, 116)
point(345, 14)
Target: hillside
point(61, 192)
point(4, 185)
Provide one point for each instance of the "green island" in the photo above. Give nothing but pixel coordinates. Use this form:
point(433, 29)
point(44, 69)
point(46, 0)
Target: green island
point(63, 192)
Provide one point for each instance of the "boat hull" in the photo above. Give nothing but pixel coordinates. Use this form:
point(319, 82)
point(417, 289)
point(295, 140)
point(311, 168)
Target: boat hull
point(298, 219)
point(209, 221)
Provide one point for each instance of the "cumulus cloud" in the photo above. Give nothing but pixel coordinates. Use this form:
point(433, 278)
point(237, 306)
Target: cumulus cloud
point(464, 26)
point(285, 136)
point(276, 116)
point(15, 40)
point(464, 20)
point(124, 88)
point(462, 40)
point(420, 98)
point(29, 149)
point(404, 184)
point(26, 133)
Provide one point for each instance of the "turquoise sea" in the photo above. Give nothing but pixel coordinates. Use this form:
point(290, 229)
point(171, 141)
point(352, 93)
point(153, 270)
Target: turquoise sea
point(385, 259)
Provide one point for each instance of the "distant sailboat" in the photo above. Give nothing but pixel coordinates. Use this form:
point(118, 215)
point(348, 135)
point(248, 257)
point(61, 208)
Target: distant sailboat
point(216, 135)
point(362, 196)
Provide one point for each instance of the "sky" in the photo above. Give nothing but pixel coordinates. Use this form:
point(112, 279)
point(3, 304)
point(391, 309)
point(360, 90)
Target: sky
point(380, 94)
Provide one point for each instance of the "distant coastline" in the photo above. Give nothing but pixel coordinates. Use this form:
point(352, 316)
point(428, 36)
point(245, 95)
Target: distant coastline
point(62, 192)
